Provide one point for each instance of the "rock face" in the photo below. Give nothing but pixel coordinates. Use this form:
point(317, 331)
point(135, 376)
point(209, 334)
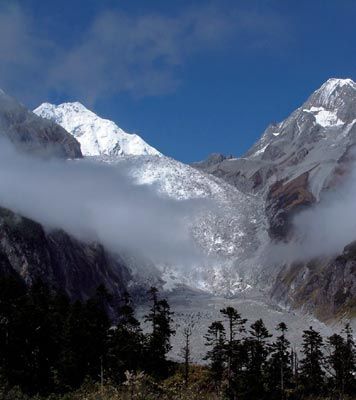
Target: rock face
point(34, 134)
point(284, 199)
point(326, 287)
point(211, 161)
point(290, 167)
point(57, 258)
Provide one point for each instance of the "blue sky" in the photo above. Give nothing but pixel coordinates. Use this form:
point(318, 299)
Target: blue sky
point(191, 77)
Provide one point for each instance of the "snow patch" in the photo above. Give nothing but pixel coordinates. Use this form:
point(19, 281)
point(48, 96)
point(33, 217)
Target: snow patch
point(260, 151)
point(324, 117)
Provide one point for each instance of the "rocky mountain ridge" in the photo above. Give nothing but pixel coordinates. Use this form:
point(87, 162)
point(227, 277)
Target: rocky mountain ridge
point(34, 134)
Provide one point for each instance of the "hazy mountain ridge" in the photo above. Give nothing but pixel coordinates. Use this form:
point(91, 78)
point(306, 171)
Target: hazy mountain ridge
point(34, 134)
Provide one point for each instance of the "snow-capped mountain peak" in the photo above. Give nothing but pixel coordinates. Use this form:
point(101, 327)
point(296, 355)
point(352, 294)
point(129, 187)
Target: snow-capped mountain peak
point(97, 136)
point(331, 84)
point(334, 93)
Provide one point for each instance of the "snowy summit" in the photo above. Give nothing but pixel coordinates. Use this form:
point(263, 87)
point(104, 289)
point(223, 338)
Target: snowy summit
point(97, 136)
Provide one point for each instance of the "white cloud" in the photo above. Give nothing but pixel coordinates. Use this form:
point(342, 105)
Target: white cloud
point(96, 202)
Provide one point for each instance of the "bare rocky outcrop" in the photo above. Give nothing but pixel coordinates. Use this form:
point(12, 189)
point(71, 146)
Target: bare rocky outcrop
point(56, 258)
point(325, 287)
point(284, 200)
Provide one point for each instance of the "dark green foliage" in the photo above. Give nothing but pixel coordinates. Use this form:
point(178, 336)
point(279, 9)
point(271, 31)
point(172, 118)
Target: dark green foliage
point(279, 368)
point(312, 374)
point(341, 360)
point(125, 343)
point(158, 341)
point(233, 349)
point(49, 345)
point(257, 350)
point(215, 339)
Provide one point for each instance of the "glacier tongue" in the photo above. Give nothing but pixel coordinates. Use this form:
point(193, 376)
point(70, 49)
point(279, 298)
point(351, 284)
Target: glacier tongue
point(97, 136)
point(230, 235)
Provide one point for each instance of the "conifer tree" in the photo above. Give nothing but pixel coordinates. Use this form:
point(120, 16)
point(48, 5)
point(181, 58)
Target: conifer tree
point(312, 374)
point(98, 324)
point(158, 343)
point(127, 317)
point(185, 353)
point(258, 350)
point(41, 348)
point(337, 346)
point(279, 365)
point(74, 361)
point(125, 350)
point(215, 339)
point(341, 360)
point(350, 360)
point(13, 330)
point(236, 326)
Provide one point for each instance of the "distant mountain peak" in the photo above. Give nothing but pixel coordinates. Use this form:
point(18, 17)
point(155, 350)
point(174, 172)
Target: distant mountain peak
point(334, 93)
point(97, 136)
point(334, 82)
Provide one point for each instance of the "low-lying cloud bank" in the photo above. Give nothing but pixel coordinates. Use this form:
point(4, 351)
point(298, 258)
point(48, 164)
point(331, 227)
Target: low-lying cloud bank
point(97, 202)
point(324, 229)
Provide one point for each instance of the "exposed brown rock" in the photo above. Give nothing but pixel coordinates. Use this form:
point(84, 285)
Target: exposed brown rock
point(283, 200)
point(325, 287)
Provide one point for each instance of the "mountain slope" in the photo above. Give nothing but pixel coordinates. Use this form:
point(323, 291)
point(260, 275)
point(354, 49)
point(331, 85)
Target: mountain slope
point(33, 251)
point(288, 169)
point(97, 136)
point(227, 233)
point(252, 202)
point(301, 156)
point(57, 258)
point(32, 133)
point(313, 139)
point(291, 167)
